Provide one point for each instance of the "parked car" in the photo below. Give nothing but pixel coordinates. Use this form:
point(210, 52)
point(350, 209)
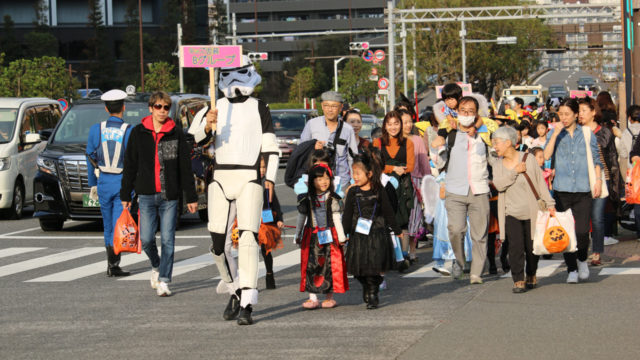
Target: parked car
point(369, 122)
point(24, 124)
point(89, 93)
point(288, 125)
point(586, 83)
point(61, 189)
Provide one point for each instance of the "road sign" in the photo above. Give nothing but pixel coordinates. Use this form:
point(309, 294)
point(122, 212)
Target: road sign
point(383, 92)
point(379, 55)
point(580, 93)
point(383, 83)
point(373, 77)
point(210, 56)
point(466, 90)
point(367, 55)
point(64, 105)
point(374, 71)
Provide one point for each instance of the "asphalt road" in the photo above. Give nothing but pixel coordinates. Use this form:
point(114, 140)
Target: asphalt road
point(569, 79)
point(57, 303)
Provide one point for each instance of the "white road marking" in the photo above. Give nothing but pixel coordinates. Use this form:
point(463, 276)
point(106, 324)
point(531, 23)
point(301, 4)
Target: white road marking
point(18, 250)
point(545, 268)
point(179, 268)
point(427, 271)
point(280, 263)
point(82, 237)
point(19, 231)
point(619, 271)
point(98, 267)
point(48, 260)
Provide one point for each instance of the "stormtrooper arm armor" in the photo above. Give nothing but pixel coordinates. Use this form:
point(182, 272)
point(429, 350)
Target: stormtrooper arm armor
point(270, 148)
point(197, 127)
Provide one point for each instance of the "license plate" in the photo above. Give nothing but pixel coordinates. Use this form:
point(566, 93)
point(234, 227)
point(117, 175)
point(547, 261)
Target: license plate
point(87, 202)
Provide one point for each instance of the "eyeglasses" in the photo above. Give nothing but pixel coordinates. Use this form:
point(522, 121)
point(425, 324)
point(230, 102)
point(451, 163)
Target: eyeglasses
point(335, 107)
point(160, 106)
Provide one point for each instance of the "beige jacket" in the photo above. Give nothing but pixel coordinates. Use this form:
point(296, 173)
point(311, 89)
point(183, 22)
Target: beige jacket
point(504, 178)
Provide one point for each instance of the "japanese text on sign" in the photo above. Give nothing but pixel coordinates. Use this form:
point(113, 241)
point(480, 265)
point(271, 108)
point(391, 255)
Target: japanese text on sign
point(211, 56)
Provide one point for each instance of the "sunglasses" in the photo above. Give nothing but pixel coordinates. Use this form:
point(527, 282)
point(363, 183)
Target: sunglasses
point(160, 106)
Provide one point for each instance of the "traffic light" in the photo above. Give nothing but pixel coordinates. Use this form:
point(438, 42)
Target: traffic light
point(359, 45)
point(258, 56)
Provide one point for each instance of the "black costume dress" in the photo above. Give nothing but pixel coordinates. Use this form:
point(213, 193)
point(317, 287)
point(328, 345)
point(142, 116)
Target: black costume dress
point(369, 255)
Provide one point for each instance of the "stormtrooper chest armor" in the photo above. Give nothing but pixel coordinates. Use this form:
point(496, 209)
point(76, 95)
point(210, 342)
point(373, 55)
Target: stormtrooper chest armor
point(238, 133)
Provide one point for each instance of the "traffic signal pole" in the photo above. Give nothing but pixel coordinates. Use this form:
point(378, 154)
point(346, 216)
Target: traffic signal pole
point(392, 55)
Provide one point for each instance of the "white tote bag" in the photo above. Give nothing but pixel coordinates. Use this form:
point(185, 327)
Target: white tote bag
point(545, 221)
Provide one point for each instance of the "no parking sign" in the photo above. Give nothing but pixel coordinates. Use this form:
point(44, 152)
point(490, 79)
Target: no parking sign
point(383, 83)
point(64, 105)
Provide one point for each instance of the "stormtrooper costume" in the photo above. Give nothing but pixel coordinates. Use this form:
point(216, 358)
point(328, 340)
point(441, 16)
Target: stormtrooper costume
point(244, 132)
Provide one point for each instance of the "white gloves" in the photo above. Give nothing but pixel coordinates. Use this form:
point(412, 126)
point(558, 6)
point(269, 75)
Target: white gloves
point(93, 194)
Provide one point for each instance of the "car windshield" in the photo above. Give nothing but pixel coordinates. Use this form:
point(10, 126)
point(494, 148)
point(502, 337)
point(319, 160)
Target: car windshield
point(74, 126)
point(7, 124)
point(365, 131)
point(288, 121)
point(585, 80)
point(556, 88)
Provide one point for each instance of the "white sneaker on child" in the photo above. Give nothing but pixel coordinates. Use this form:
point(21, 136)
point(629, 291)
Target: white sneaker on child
point(154, 278)
point(572, 278)
point(610, 241)
point(583, 270)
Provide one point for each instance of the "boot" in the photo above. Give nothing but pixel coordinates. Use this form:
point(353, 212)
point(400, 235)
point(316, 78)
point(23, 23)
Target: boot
point(233, 307)
point(113, 261)
point(374, 287)
point(244, 318)
point(365, 289)
point(271, 282)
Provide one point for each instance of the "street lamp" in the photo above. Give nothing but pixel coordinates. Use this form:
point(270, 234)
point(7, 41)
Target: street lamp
point(500, 40)
point(299, 84)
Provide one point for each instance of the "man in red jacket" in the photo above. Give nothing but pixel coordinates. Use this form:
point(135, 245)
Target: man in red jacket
point(157, 167)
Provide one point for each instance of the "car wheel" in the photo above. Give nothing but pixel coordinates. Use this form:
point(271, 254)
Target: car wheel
point(204, 215)
point(51, 224)
point(17, 205)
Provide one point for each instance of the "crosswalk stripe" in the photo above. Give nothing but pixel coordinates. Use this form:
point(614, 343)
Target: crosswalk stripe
point(17, 250)
point(96, 268)
point(179, 268)
point(47, 260)
point(545, 268)
point(426, 271)
point(280, 263)
point(620, 271)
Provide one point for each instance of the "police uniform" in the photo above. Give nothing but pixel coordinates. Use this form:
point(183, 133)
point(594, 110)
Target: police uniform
point(105, 149)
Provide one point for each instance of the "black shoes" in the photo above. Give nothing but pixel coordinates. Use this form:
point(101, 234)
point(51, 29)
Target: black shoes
point(373, 300)
point(493, 270)
point(373, 286)
point(244, 318)
point(233, 308)
point(271, 282)
point(116, 271)
point(403, 266)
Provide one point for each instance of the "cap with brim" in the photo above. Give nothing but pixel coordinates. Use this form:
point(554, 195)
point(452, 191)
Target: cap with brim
point(114, 95)
point(332, 96)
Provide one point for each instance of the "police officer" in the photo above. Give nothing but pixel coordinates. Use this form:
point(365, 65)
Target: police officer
point(105, 155)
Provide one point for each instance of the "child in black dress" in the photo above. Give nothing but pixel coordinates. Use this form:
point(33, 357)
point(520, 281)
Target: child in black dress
point(368, 217)
point(320, 235)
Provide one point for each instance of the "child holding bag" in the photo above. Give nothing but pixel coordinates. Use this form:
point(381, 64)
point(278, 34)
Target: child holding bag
point(320, 236)
point(368, 215)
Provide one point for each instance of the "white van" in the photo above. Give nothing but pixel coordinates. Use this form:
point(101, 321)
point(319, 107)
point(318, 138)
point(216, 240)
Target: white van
point(25, 125)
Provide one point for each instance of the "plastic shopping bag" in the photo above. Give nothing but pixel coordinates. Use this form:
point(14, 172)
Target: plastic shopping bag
point(632, 185)
point(125, 236)
point(554, 234)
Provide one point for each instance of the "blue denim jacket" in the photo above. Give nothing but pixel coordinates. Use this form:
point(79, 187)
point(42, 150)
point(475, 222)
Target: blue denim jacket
point(570, 159)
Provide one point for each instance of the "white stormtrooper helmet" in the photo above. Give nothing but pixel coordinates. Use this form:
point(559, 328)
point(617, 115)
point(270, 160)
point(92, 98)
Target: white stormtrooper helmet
point(239, 81)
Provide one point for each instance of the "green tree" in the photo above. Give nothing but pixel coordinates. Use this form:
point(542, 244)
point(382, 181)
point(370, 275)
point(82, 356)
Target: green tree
point(129, 69)
point(353, 80)
point(40, 42)
point(161, 78)
point(594, 61)
point(101, 60)
point(302, 85)
point(39, 77)
point(8, 42)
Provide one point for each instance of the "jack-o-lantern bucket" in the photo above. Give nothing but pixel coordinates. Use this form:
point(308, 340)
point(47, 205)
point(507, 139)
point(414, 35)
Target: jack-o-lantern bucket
point(555, 238)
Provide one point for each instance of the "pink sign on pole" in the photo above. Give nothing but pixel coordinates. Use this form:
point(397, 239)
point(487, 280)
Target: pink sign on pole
point(201, 56)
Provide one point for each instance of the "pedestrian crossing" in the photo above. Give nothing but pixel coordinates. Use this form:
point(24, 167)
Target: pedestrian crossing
point(546, 268)
point(75, 272)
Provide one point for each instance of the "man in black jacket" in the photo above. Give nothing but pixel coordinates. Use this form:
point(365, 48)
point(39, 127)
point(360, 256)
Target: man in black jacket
point(158, 167)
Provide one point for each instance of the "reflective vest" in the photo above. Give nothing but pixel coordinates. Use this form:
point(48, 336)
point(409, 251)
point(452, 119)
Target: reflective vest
point(110, 153)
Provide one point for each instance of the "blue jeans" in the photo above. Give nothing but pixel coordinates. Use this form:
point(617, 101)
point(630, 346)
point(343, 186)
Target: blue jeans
point(111, 208)
point(153, 207)
point(597, 224)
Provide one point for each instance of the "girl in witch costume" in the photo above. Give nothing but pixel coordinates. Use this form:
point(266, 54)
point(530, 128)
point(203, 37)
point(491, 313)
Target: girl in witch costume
point(368, 216)
point(320, 236)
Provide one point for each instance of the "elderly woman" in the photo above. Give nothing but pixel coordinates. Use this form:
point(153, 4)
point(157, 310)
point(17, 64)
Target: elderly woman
point(517, 218)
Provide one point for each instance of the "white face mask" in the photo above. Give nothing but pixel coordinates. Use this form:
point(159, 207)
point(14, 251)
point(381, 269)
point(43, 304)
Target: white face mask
point(466, 120)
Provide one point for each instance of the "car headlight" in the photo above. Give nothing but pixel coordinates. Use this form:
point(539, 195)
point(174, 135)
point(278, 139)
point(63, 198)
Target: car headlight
point(281, 141)
point(5, 163)
point(46, 165)
point(293, 141)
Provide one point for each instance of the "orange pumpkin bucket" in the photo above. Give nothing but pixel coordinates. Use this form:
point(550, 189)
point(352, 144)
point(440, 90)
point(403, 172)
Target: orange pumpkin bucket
point(555, 238)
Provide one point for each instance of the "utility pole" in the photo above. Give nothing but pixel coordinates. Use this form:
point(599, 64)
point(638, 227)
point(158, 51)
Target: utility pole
point(403, 35)
point(234, 28)
point(392, 54)
point(463, 35)
point(180, 71)
point(415, 70)
point(141, 50)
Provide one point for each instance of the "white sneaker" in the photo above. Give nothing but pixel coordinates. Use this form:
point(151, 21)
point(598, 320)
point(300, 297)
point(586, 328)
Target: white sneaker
point(154, 278)
point(572, 278)
point(583, 270)
point(163, 289)
point(610, 241)
point(441, 270)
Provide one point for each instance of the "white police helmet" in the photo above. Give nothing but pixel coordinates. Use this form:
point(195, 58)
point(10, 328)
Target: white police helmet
point(239, 81)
